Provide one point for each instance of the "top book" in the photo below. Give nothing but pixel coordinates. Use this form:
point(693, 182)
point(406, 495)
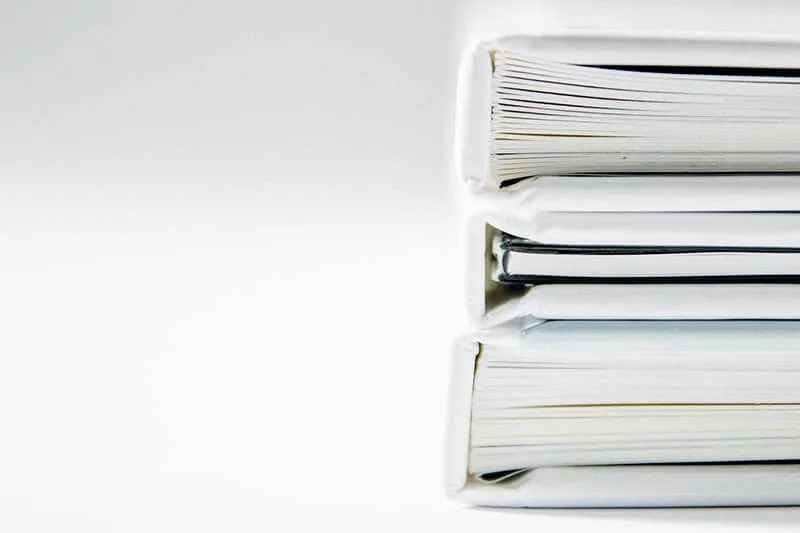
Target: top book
point(530, 111)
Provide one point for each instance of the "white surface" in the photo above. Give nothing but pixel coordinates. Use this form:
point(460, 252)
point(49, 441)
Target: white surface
point(156, 368)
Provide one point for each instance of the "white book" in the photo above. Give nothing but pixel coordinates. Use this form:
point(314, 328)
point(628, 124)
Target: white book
point(529, 262)
point(490, 301)
point(528, 112)
point(590, 413)
point(751, 476)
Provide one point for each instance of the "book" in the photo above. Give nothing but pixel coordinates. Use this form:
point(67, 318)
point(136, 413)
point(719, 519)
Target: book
point(562, 393)
point(490, 301)
point(531, 262)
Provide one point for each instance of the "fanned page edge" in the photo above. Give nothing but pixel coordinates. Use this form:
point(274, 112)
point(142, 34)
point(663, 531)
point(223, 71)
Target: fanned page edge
point(473, 98)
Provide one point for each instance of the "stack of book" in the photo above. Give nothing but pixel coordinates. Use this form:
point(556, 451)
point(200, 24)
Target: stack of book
point(634, 273)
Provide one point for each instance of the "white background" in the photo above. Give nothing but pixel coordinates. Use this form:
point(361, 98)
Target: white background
point(229, 264)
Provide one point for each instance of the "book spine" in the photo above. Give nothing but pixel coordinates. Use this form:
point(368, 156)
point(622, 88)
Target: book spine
point(473, 118)
point(462, 375)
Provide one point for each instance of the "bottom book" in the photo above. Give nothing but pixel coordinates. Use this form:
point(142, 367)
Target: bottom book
point(627, 413)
